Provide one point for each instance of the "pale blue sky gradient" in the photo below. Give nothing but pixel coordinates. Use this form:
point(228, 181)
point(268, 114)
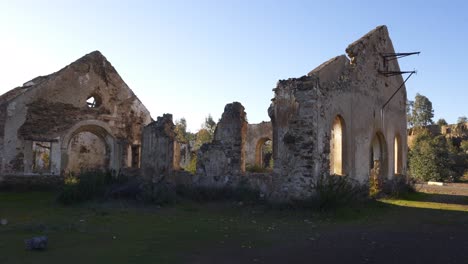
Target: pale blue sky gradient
point(190, 58)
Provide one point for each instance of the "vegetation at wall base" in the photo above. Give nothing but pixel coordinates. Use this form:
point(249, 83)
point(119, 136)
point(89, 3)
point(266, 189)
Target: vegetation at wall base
point(88, 185)
point(331, 191)
point(257, 169)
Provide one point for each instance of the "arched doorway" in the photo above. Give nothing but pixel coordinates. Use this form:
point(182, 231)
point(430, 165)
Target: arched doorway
point(87, 151)
point(378, 162)
point(88, 146)
point(264, 153)
point(337, 147)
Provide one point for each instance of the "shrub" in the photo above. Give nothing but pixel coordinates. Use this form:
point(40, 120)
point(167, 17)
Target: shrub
point(331, 191)
point(257, 169)
point(398, 186)
point(85, 186)
point(429, 158)
point(161, 194)
point(464, 146)
point(192, 166)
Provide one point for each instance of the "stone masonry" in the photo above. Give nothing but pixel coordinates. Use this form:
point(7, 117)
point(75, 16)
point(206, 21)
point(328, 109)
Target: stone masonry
point(332, 121)
point(158, 148)
point(82, 117)
point(224, 158)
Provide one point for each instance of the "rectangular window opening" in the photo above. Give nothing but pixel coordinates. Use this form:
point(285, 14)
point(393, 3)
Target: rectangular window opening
point(135, 156)
point(41, 157)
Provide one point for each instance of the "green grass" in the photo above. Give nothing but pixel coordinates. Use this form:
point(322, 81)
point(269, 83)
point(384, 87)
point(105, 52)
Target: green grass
point(119, 232)
point(126, 232)
point(423, 200)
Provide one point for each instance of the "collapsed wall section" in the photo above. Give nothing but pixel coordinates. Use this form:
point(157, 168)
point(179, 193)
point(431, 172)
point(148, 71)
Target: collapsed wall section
point(355, 92)
point(158, 144)
point(295, 140)
point(224, 158)
point(257, 134)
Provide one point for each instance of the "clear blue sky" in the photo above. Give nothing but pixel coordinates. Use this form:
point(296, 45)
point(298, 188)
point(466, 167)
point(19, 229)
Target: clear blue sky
point(190, 58)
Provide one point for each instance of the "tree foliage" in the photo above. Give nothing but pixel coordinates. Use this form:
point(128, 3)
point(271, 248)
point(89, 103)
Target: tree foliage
point(441, 122)
point(181, 130)
point(409, 108)
point(429, 159)
point(209, 125)
point(420, 112)
point(464, 146)
point(462, 120)
point(182, 135)
point(206, 133)
point(203, 136)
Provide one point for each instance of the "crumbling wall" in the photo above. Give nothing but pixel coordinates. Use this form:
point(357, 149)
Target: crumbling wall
point(45, 119)
point(185, 153)
point(304, 109)
point(256, 134)
point(158, 145)
point(2, 133)
point(87, 151)
point(48, 108)
point(224, 158)
point(455, 132)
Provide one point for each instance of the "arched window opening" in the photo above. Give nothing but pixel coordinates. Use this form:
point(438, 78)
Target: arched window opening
point(397, 155)
point(264, 154)
point(337, 147)
point(378, 164)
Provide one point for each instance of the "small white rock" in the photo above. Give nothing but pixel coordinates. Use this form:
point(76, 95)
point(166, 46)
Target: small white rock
point(3, 221)
point(435, 183)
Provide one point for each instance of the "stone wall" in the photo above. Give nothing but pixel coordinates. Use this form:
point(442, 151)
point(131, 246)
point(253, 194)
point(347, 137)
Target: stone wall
point(158, 159)
point(38, 182)
point(257, 134)
point(185, 154)
point(354, 91)
point(331, 121)
point(54, 108)
point(224, 158)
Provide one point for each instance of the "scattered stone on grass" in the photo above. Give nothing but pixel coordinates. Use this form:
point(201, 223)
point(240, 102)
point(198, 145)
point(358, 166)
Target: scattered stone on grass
point(36, 243)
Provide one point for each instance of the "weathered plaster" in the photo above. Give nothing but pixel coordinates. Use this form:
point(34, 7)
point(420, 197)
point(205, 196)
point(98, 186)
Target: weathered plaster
point(53, 108)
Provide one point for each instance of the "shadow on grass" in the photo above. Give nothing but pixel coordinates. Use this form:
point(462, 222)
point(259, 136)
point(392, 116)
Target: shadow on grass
point(437, 198)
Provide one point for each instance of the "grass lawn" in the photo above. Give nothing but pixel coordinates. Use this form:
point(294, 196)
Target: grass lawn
point(122, 232)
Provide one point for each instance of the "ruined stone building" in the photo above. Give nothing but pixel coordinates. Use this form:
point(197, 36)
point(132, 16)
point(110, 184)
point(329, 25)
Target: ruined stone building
point(334, 120)
point(82, 117)
point(258, 136)
point(455, 132)
point(347, 118)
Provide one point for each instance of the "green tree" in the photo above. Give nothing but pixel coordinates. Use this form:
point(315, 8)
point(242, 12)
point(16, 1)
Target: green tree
point(203, 136)
point(181, 130)
point(464, 146)
point(441, 122)
point(422, 111)
point(409, 110)
point(206, 133)
point(429, 159)
point(182, 135)
point(209, 125)
point(462, 120)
